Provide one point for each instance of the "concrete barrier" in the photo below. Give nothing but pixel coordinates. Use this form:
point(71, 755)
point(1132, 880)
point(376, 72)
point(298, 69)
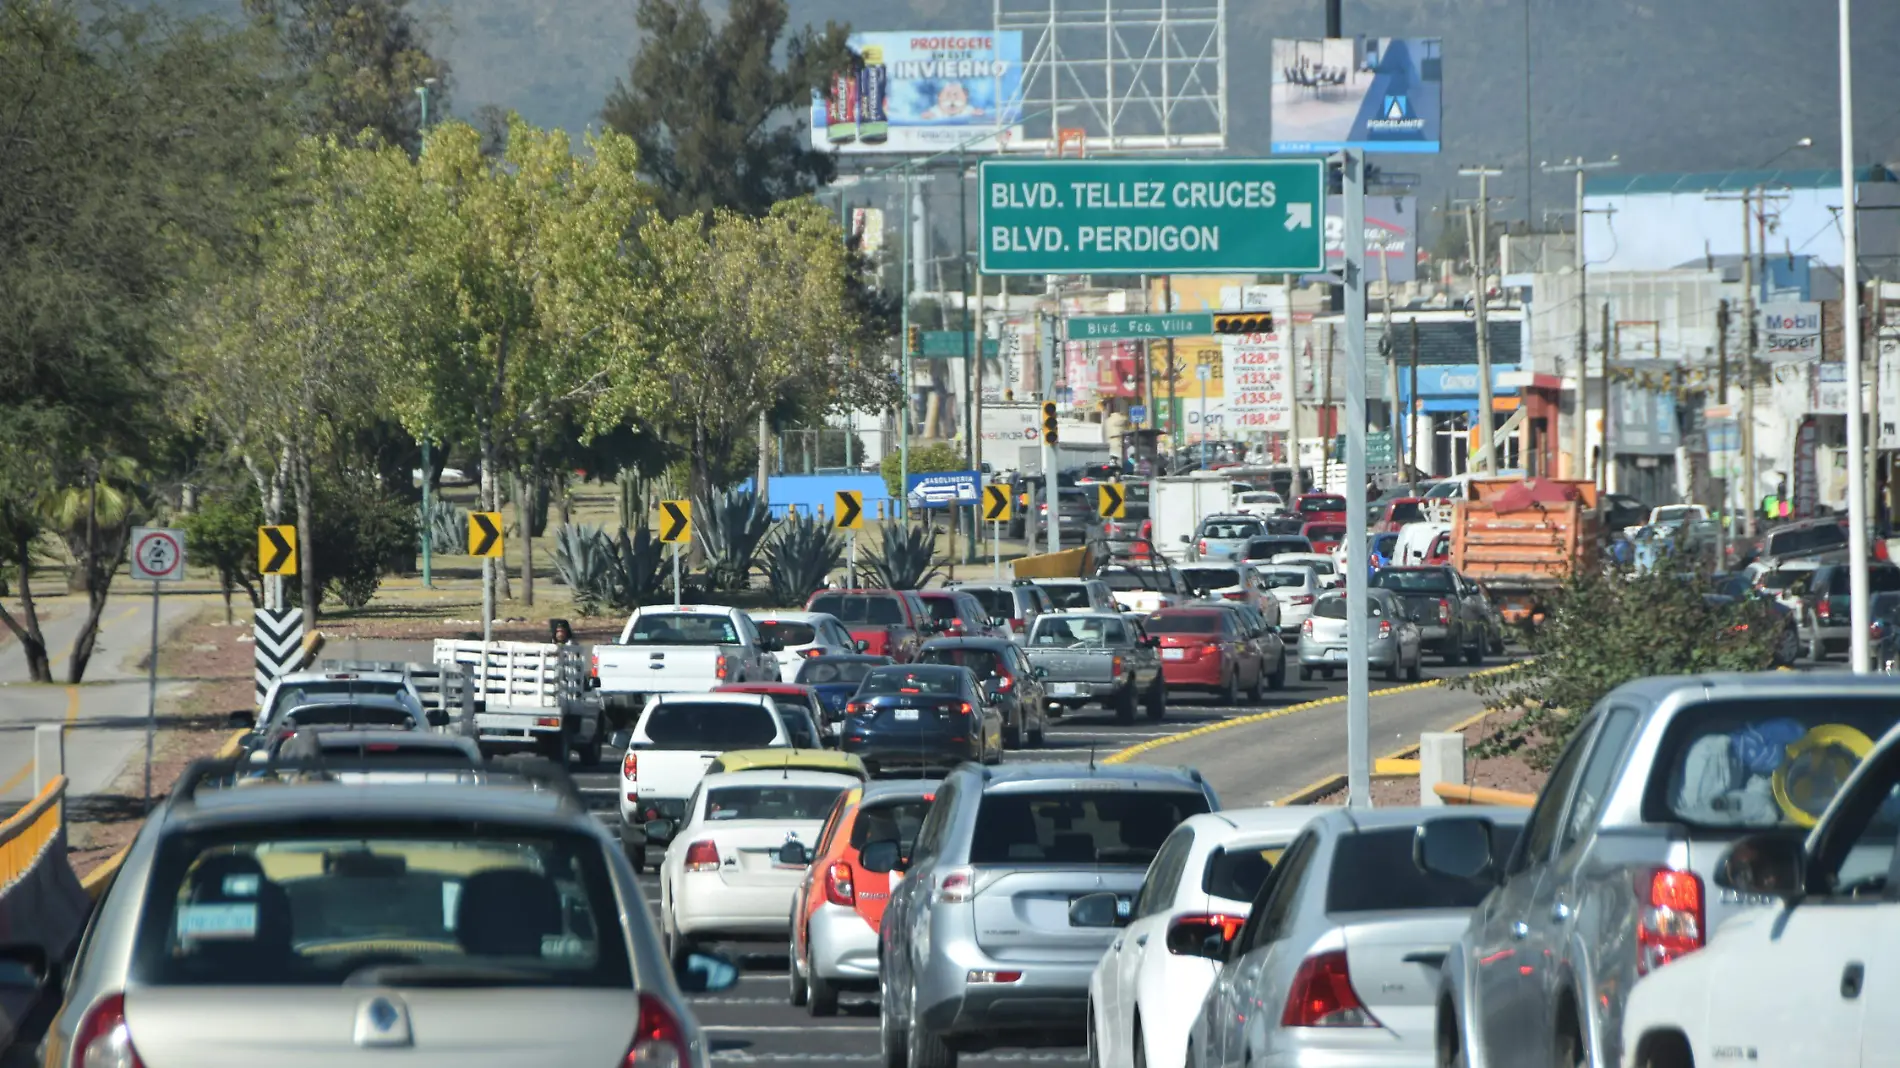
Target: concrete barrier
point(41, 902)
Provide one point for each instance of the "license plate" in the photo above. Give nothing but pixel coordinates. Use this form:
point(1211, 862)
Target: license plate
point(1174, 654)
point(906, 713)
point(1335, 654)
point(1063, 689)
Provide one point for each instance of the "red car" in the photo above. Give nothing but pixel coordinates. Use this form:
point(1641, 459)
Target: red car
point(1325, 536)
point(958, 614)
point(1204, 649)
point(1398, 512)
point(1320, 507)
point(891, 623)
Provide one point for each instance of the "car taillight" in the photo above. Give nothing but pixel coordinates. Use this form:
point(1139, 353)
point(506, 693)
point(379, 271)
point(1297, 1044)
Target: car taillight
point(1306, 628)
point(856, 708)
point(1823, 609)
point(702, 855)
point(964, 709)
point(1005, 681)
point(102, 1040)
point(814, 651)
point(1202, 547)
point(955, 886)
point(1115, 667)
point(1303, 598)
point(838, 888)
point(1385, 628)
point(1236, 595)
point(1187, 934)
point(659, 1041)
point(1322, 995)
point(1018, 623)
point(1672, 924)
point(1878, 628)
point(722, 667)
point(1211, 649)
point(630, 765)
point(594, 670)
point(1444, 610)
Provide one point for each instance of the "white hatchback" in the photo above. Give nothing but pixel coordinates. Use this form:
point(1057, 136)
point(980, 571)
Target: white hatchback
point(1148, 988)
point(723, 878)
point(1296, 587)
point(799, 636)
point(1323, 565)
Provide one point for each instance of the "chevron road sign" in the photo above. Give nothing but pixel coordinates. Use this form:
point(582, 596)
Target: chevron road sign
point(850, 511)
point(279, 640)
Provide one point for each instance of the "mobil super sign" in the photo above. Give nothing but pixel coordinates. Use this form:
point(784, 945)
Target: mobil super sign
point(1152, 216)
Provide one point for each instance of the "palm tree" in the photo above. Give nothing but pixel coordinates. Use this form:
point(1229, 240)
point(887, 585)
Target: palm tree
point(95, 518)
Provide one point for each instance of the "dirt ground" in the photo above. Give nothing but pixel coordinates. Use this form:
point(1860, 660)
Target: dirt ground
point(191, 726)
point(1509, 772)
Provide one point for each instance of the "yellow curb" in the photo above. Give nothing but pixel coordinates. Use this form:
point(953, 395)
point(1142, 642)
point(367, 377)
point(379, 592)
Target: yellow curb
point(1394, 768)
point(1312, 791)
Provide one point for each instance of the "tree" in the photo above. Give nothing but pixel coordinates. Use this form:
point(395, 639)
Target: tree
point(924, 460)
point(359, 63)
point(223, 534)
point(716, 121)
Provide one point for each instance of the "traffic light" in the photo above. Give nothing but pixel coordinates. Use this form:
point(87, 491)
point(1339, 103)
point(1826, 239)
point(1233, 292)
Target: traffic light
point(1049, 422)
point(914, 340)
point(1244, 323)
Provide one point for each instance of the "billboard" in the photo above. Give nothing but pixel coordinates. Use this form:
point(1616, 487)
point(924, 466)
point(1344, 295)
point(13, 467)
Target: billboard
point(1391, 239)
point(922, 93)
point(1379, 94)
point(1790, 332)
point(1258, 371)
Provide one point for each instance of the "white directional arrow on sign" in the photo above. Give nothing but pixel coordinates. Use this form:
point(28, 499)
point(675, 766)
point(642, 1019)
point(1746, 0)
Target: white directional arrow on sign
point(1299, 216)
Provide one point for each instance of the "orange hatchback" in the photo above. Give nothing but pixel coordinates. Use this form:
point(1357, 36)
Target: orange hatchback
point(837, 909)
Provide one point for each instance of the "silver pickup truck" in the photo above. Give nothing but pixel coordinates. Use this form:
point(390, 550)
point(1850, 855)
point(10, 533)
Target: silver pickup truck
point(1098, 656)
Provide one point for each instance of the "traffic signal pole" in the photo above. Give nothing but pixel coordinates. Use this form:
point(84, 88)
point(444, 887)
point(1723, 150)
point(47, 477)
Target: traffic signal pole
point(1050, 502)
point(1358, 677)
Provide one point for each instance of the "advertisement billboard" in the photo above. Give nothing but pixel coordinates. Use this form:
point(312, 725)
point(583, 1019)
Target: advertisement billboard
point(922, 93)
point(1391, 238)
point(1258, 369)
point(1379, 94)
point(1791, 332)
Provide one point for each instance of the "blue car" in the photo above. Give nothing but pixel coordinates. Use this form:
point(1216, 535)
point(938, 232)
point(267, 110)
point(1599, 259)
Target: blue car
point(836, 678)
point(1383, 546)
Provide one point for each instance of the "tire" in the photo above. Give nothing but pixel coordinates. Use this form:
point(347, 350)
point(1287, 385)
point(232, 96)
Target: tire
point(1254, 692)
point(589, 755)
point(1474, 656)
point(925, 1050)
point(1306, 673)
point(1664, 1051)
point(1497, 642)
point(1454, 653)
point(636, 856)
point(554, 750)
point(1412, 673)
point(678, 947)
point(1567, 1051)
point(1787, 648)
point(1392, 669)
point(1013, 737)
point(1817, 649)
point(893, 1042)
point(1125, 704)
point(1277, 680)
point(823, 997)
point(1230, 690)
point(1157, 701)
point(800, 992)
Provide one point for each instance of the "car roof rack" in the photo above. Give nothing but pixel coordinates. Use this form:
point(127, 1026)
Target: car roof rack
point(537, 774)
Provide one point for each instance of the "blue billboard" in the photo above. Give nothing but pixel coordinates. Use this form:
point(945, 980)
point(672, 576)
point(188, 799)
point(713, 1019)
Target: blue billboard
point(922, 93)
point(1378, 94)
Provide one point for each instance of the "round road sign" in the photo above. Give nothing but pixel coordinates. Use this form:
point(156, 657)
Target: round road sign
point(158, 554)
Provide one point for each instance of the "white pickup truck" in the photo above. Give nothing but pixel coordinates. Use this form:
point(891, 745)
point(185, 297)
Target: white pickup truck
point(528, 694)
point(690, 649)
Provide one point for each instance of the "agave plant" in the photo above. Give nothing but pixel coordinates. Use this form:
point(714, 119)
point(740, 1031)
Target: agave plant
point(636, 568)
point(729, 526)
point(584, 559)
point(904, 559)
point(447, 526)
point(798, 558)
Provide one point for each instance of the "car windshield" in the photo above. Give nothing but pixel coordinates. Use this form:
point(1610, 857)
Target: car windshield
point(1058, 632)
point(353, 747)
point(1335, 608)
point(682, 628)
point(1211, 578)
point(1406, 512)
point(1268, 548)
point(1764, 762)
point(1322, 504)
point(381, 904)
point(941, 682)
point(1231, 530)
point(998, 603)
point(787, 633)
point(890, 821)
point(709, 725)
point(820, 672)
point(1123, 578)
point(773, 802)
point(1325, 531)
point(983, 663)
point(290, 695)
point(877, 609)
point(1806, 539)
point(1286, 579)
point(1409, 581)
point(1122, 827)
point(943, 609)
point(1238, 873)
point(1373, 872)
point(1068, 595)
point(1184, 623)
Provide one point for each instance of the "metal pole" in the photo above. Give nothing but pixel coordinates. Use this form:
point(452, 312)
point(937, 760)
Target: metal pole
point(1051, 501)
point(488, 599)
point(428, 513)
point(151, 700)
point(676, 575)
point(1358, 680)
point(1578, 434)
point(996, 549)
point(851, 561)
point(972, 459)
point(1487, 452)
point(1394, 421)
point(1174, 412)
point(1412, 482)
point(1749, 483)
point(1857, 525)
point(903, 373)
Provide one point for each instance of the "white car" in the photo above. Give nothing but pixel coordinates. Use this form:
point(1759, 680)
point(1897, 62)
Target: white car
point(1323, 565)
point(1262, 503)
point(1146, 588)
point(1812, 976)
point(669, 748)
point(1147, 990)
point(1238, 582)
point(1296, 587)
point(724, 879)
point(799, 636)
point(1079, 594)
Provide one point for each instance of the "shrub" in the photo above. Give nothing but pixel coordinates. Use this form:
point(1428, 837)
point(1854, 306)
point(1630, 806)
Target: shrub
point(904, 558)
point(930, 459)
point(799, 557)
point(729, 527)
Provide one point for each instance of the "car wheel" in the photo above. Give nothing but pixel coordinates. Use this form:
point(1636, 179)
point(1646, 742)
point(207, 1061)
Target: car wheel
point(589, 754)
point(1230, 689)
point(1013, 736)
point(1788, 649)
point(1454, 653)
point(1125, 704)
point(1817, 649)
point(1306, 673)
point(1157, 701)
point(1259, 683)
point(1392, 669)
point(678, 947)
point(1326, 673)
point(1474, 656)
point(1277, 680)
point(823, 997)
point(800, 991)
point(1497, 642)
point(1138, 1048)
point(554, 749)
point(1414, 670)
point(1568, 1051)
point(891, 1039)
point(1095, 1052)
point(926, 1050)
point(636, 856)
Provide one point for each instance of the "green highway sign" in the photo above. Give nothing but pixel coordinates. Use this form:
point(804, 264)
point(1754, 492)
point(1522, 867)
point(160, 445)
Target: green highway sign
point(1153, 216)
point(1378, 449)
point(1120, 327)
point(942, 344)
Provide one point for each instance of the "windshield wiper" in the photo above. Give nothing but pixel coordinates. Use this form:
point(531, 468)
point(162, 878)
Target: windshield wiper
point(444, 975)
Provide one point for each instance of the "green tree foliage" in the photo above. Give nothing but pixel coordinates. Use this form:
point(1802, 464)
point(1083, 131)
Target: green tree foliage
point(365, 534)
point(1606, 628)
point(222, 533)
point(358, 64)
point(717, 120)
point(936, 457)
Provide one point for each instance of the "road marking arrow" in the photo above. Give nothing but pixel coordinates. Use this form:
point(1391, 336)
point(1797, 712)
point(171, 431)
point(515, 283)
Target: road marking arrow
point(676, 521)
point(995, 504)
point(1109, 500)
point(850, 510)
point(1299, 216)
point(277, 550)
point(484, 533)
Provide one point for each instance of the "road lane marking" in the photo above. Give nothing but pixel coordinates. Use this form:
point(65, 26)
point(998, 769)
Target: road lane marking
point(97, 631)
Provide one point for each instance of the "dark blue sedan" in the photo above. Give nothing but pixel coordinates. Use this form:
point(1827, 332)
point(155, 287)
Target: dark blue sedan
point(922, 718)
point(836, 678)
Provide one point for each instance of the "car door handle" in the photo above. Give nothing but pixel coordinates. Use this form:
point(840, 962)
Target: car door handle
point(1559, 912)
point(1520, 929)
point(1851, 978)
point(1117, 947)
point(1142, 941)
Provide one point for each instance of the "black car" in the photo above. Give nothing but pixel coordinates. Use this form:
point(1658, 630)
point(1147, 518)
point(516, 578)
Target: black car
point(922, 718)
point(1262, 550)
point(1017, 683)
point(836, 678)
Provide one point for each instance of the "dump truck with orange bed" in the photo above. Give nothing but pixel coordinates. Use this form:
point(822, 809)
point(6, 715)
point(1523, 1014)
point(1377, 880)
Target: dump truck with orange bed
point(1521, 538)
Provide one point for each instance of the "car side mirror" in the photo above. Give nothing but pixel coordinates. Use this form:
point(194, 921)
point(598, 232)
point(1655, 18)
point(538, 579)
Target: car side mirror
point(1183, 539)
point(882, 856)
point(1097, 910)
point(1207, 937)
point(998, 621)
point(242, 718)
point(437, 717)
point(793, 854)
point(1770, 864)
point(1041, 672)
point(1458, 847)
point(706, 973)
point(621, 739)
point(862, 644)
point(23, 966)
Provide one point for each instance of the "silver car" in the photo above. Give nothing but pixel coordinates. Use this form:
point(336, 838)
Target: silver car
point(277, 918)
point(981, 944)
point(1392, 641)
point(1338, 961)
point(1224, 537)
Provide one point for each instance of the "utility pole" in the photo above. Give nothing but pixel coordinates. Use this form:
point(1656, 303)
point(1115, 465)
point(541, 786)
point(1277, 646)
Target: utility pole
point(1296, 483)
point(428, 465)
point(972, 340)
point(1748, 374)
point(1579, 436)
point(1358, 625)
point(903, 362)
point(1174, 408)
point(1859, 611)
point(1612, 347)
point(1411, 480)
point(1487, 453)
point(1328, 425)
point(1395, 421)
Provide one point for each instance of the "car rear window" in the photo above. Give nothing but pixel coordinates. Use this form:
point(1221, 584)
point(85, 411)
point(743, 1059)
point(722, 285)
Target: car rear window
point(983, 663)
point(1765, 762)
point(1406, 513)
point(1123, 827)
point(943, 607)
point(304, 693)
point(1335, 608)
point(682, 628)
point(1413, 581)
point(1277, 580)
point(1783, 542)
point(1323, 504)
point(1211, 578)
point(1067, 632)
point(787, 633)
point(890, 821)
point(1232, 530)
point(1268, 548)
point(1068, 596)
point(718, 725)
point(337, 745)
point(818, 673)
point(774, 802)
point(1238, 873)
point(996, 602)
point(1184, 623)
point(378, 904)
point(943, 682)
point(1325, 531)
point(350, 716)
point(877, 609)
point(1373, 872)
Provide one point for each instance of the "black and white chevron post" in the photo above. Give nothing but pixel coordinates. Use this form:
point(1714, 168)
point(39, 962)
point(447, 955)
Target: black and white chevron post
point(279, 639)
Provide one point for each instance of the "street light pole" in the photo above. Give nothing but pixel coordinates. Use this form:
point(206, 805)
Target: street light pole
point(1850, 330)
point(428, 510)
point(1579, 434)
point(1487, 454)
